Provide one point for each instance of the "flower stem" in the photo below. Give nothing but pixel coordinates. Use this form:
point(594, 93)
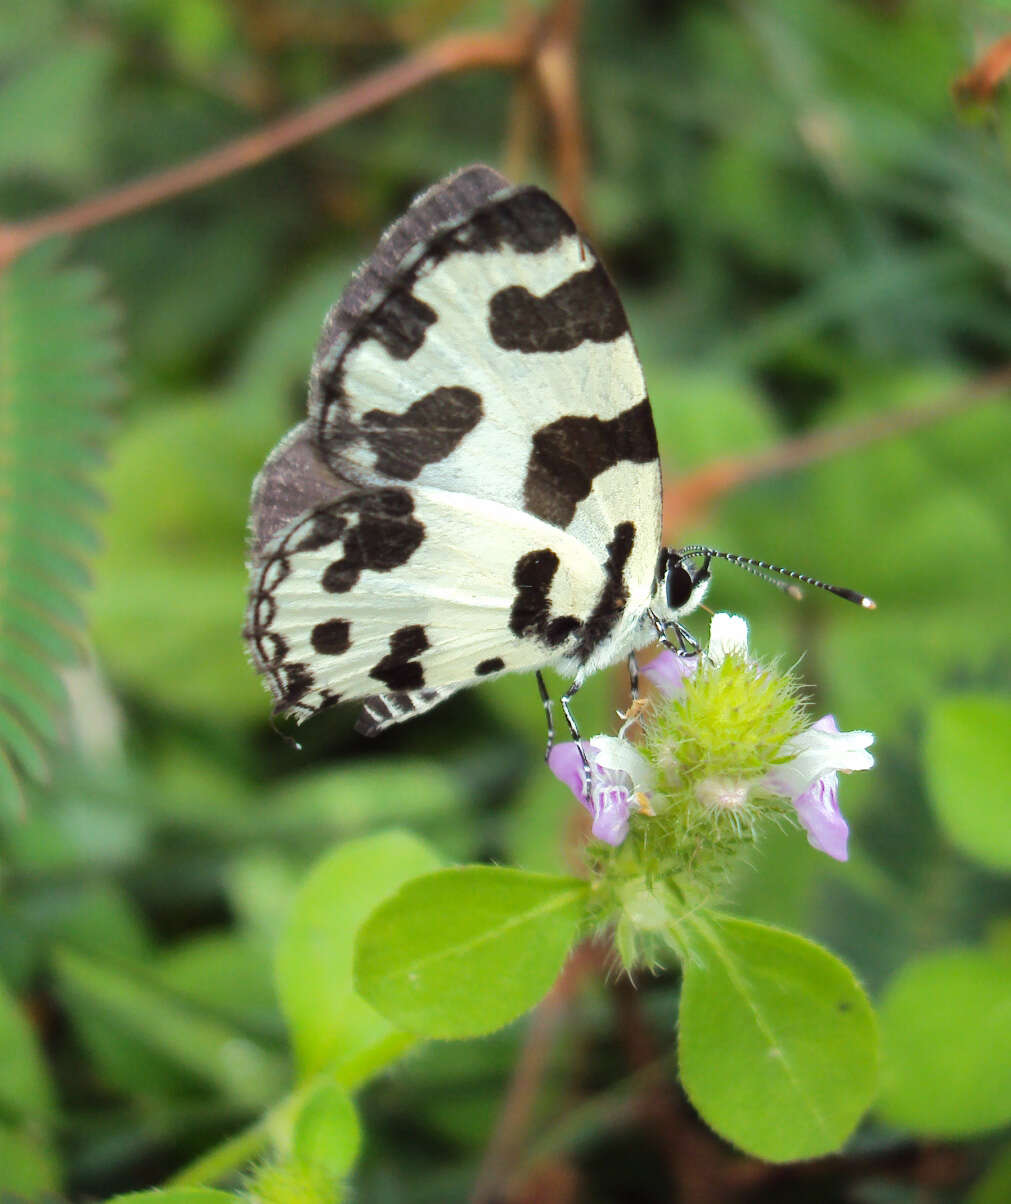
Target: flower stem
point(236, 1151)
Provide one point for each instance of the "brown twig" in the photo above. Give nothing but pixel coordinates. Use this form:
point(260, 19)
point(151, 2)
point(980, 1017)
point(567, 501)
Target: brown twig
point(452, 54)
point(510, 1132)
point(990, 70)
point(687, 497)
point(554, 70)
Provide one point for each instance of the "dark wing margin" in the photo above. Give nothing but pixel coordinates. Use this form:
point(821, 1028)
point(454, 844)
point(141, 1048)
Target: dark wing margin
point(475, 211)
point(384, 710)
point(295, 479)
point(444, 204)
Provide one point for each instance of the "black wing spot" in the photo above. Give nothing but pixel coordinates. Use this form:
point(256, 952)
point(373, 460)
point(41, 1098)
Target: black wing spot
point(570, 453)
point(583, 308)
point(401, 323)
point(428, 430)
point(530, 614)
point(492, 665)
point(398, 670)
point(385, 537)
point(378, 530)
point(332, 637)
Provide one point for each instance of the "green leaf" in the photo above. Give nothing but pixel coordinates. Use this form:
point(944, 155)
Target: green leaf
point(327, 1134)
point(777, 1046)
point(22, 30)
point(56, 359)
point(463, 951)
point(24, 1087)
point(967, 756)
point(946, 1037)
point(28, 1169)
point(328, 1020)
point(126, 1005)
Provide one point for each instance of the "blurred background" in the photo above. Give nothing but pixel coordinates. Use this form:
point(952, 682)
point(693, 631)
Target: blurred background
point(807, 211)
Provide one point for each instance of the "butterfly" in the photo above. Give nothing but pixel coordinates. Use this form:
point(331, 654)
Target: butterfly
point(476, 489)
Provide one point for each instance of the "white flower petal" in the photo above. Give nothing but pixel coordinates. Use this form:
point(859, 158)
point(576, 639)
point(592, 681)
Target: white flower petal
point(819, 751)
point(728, 636)
point(619, 756)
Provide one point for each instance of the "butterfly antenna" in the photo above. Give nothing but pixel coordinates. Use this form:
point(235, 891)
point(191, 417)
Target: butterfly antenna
point(285, 736)
point(786, 586)
point(751, 565)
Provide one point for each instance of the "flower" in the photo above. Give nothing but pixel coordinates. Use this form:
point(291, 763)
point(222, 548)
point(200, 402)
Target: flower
point(621, 779)
point(732, 739)
point(810, 780)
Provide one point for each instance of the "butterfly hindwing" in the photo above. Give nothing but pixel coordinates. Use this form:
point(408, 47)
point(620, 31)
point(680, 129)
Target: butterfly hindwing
point(404, 591)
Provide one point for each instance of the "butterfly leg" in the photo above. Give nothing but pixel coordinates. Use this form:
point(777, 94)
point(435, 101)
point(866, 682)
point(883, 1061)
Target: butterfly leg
point(661, 631)
point(546, 700)
point(633, 676)
point(574, 730)
point(688, 645)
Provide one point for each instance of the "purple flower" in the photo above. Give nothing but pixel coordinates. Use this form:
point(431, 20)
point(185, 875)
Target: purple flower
point(810, 780)
point(621, 779)
point(668, 671)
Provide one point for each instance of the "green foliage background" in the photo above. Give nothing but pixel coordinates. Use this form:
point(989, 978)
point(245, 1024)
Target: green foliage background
point(806, 230)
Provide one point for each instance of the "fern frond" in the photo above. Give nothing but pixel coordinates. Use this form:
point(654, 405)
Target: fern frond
point(57, 378)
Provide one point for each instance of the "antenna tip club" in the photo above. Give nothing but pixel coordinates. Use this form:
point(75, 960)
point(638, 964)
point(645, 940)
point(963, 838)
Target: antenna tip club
point(851, 595)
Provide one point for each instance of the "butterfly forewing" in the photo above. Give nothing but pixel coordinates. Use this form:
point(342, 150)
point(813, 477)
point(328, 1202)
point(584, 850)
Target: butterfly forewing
point(498, 364)
point(478, 392)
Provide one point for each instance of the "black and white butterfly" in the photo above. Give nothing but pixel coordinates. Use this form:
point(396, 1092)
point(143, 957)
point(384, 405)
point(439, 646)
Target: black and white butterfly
point(476, 489)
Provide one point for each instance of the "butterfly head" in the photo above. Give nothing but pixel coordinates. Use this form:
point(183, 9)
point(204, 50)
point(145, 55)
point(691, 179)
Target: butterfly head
point(681, 583)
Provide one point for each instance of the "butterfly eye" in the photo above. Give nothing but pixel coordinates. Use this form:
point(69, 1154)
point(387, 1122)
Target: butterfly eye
point(678, 583)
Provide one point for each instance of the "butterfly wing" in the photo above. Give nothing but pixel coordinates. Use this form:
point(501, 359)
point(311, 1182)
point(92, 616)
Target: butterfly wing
point(415, 593)
point(479, 456)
